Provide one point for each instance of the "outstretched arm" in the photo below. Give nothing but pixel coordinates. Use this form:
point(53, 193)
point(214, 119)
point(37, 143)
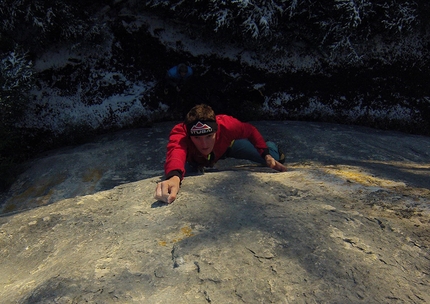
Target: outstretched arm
point(167, 190)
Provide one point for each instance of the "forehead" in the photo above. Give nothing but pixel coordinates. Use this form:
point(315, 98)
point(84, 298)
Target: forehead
point(204, 136)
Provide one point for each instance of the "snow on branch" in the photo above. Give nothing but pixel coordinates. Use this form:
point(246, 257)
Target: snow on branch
point(252, 27)
point(16, 71)
point(258, 18)
point(222, 19)
point(16, 79)
point(351, 9)
point(345, 46)
point(400, 17)
point(31, 21)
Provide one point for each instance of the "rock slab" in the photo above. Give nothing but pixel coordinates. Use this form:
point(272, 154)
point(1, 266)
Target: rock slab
point(348, 223)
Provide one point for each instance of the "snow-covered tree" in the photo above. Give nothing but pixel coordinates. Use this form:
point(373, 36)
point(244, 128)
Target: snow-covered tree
point(336, 26)
point(35, 23)
point(16, 79)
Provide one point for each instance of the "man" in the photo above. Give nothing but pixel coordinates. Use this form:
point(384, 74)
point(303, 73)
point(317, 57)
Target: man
point(204, 138)
point(177, 76)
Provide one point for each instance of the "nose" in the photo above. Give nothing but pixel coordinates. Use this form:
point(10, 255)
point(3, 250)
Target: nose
point(205, 142)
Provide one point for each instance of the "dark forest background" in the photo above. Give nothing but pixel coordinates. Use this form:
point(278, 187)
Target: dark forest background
point(363, 62)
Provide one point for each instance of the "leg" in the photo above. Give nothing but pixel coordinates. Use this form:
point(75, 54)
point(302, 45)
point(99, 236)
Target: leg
point(274, 150)
point(243, 149)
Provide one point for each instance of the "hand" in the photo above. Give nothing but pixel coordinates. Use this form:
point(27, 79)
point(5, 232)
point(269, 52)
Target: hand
point(272, 163)
point(167, 190)
point(178, 89)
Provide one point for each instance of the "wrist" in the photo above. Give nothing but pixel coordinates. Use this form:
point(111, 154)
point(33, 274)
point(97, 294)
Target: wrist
point(175, 178)
point(177, 173)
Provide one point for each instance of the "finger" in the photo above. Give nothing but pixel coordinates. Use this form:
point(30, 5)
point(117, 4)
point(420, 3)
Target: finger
point(159, 195)
point(271, 163)
point(268, 161)
point(156, 196)
point(280, 167)
point(172, 196)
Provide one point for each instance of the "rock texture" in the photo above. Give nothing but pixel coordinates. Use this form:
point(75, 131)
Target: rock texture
point(349, 223)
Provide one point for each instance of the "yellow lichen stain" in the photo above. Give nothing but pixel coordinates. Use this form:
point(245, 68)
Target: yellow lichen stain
point(363, 178)
point(185, 232)
point(42, 191)
point(368, 180)
point(92, 175)
point(356, 174)
point(45, 199)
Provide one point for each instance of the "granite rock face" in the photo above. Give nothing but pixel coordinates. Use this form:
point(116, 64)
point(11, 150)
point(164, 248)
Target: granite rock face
point(348, 223)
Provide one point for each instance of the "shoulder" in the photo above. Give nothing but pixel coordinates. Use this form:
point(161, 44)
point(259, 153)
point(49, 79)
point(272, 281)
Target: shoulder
point(173, 70)
point(179, 129)
point(227, 120)
point(225, 117)
point(220, 118)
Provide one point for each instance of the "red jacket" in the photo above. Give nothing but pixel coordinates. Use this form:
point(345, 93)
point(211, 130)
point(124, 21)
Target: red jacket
point(181, 149)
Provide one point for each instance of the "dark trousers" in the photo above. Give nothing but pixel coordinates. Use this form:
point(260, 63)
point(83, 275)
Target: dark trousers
point(240, 149)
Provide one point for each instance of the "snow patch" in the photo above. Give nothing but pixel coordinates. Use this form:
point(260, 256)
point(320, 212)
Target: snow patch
point(58, 113)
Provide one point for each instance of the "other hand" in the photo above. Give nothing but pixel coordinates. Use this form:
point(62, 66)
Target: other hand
point(274, 164)
point(167, 190)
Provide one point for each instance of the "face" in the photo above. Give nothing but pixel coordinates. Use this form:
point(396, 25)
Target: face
point(205, 144)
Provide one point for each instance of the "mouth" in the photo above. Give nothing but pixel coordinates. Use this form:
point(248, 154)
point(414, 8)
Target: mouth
point(205, 151)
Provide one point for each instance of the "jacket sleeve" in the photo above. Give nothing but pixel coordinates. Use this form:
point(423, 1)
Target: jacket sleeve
point(176, 152)
point(243, 130)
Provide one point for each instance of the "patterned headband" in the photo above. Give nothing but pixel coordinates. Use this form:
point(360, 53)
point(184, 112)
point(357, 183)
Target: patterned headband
point(201, 127)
